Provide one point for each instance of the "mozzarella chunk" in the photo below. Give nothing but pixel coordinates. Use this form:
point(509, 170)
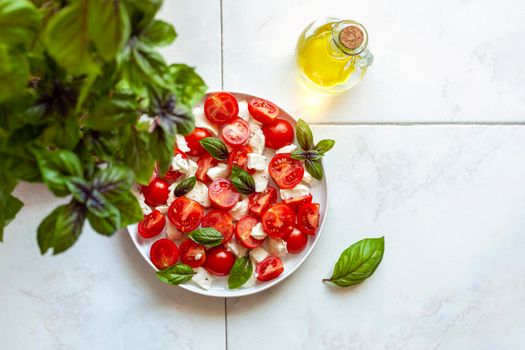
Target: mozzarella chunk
point(277, 247)
point(256, 161)
point(307, 178)
point(256, 141)
point(258, 254)
point(179, 163)
point(172, 232)
point(199, 194)
point(163, 208)
point(240, 209)
point(192, 168)
point(182, 145)
point(243, 110)
point(237, 249)
point(251, 281)
point(202, 122)
point(218, 172)
point(135, 190)
point(261, 179)
point(254, 126)
point(258, 232)
point(297, 191)
point(286, 149)
point(202, 278)
point(171, 195)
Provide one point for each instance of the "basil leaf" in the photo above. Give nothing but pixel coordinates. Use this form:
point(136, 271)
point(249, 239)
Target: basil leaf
point(107, 224)
point(242, 181)
point(358, 262)
point(207, 236)
point(240, 273)
point(12, 206)
point(324, 146)
point(215, 147)
point(112, 112)
point(176, 274)
point(185, 186)
point(19, 21)
point(56, 167)
point(298, 154)
point(188, 86)
point(137, 156)
point(314, 168)
point(129, 208)
point(304, 135)
point(14, 72)
point(113, 180)
point(159, 33)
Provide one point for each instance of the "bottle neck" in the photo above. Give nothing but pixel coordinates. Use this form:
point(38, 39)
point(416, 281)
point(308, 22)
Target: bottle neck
point(349, 38)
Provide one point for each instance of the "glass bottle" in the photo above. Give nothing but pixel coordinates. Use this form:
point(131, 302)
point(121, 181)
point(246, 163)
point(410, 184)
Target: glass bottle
point(332, 54)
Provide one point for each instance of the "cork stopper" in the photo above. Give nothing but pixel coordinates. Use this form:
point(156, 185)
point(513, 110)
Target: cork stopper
point(351, 37)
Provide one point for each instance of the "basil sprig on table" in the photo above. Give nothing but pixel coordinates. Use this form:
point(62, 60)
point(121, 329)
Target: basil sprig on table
point(311, 153)
point(207, 236)
point(240, 273)
point(185, 186)
point(242, 181)
point(358, 262)
point(215, 147)
point(176, 274)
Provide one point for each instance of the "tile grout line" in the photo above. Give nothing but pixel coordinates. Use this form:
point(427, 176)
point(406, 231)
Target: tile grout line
point(418, 123)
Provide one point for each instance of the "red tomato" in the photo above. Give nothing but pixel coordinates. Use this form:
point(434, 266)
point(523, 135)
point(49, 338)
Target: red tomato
point(278, 134)
point(156, 192)
point(152, 224)
point(178, 151)
point(222, 194)
point(243, 231)
point(192, 254)
point(269, 268)
point(221, 107)
point(193, 139)
point(221, 221)
point(172, 175)
point(308, 218)
point(261, 201)
point(239, 157)
point(296, 202)
point(163, 253)
point(278, 221)
point(185, 214)
point(236, 132)
point(263, 111)
point(219, 261)
point(296, 242)
point(204, 164)
point(285, 171)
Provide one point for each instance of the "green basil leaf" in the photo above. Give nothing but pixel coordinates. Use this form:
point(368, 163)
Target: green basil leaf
point(304, 135)
point(242, 181)
point(298, 154)
point(56, 167)
point(161, 147)
point(314, 168)
point(215, 147)
point(142, 12)
point(207, 236)
point(185, 186)
point(11, 206)
point(324, 146)
point(137, 156)
point(129, 208)
point(108, 223)
point(306, 155)
point(63, 133)
point(112, 112)
point(61, 229)
point(19, 21)
point(14, 72)
point(159, 33)
point(187, 85)
point(172, 116)
point(113, 180)
point(176, 274)
point(240, 273)
point(358, 262)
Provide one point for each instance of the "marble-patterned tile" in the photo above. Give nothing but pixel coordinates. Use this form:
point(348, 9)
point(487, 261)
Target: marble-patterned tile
point(448, 60)
point(449, 201)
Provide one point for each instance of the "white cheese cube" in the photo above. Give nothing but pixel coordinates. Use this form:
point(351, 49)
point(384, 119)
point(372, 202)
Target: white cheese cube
point(261, 179)
point(220, 171)
point(307, 178)
point(202, 278)
point(256, 141)
point(202, 122)
point(243, 111)
point(199, 194)
point(163, 208)
point(277, 246)
point(171, 195)
point(251, 282)
point(179, 163)
point(256, 161)
point(146, 209)
point(240, 209)
point(297, 191)
point(182, 145)
point(258, 254)
point(192, 168)
point(286, 149)
point(172, 232)
point(254, 126)
point(258, 232)
point(237, 249)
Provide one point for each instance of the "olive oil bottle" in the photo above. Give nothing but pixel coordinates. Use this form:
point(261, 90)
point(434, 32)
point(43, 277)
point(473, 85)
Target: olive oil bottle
point(332, 55)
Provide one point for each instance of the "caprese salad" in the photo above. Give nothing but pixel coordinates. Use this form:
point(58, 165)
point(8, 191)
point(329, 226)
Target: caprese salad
point(236, 198)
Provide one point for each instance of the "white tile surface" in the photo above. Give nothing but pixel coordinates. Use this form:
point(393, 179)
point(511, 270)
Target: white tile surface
point(447, 60)
point(449, 202)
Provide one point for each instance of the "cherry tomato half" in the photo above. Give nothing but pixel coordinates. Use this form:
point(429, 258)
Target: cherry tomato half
point(263, 111)
point(285, 171)
point(152, 224)
point(156, 192)
point(296, 202)
point(236, 132)
point(296, 242)
point(185, 214)
point(223, 194)
point(193, 139)
point(269, 268)
point(278, 221)
point(261, 201)
point(192, 253)
point(239, 157)
point(163, 253)
point(308, 218)
point(243, 231)
point(204, 164)
point(221, 107)
point(278, 134)
point(219, 261)
point(221, 221)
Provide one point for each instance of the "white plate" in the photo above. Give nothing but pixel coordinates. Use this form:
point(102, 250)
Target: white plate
point(291, 262)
